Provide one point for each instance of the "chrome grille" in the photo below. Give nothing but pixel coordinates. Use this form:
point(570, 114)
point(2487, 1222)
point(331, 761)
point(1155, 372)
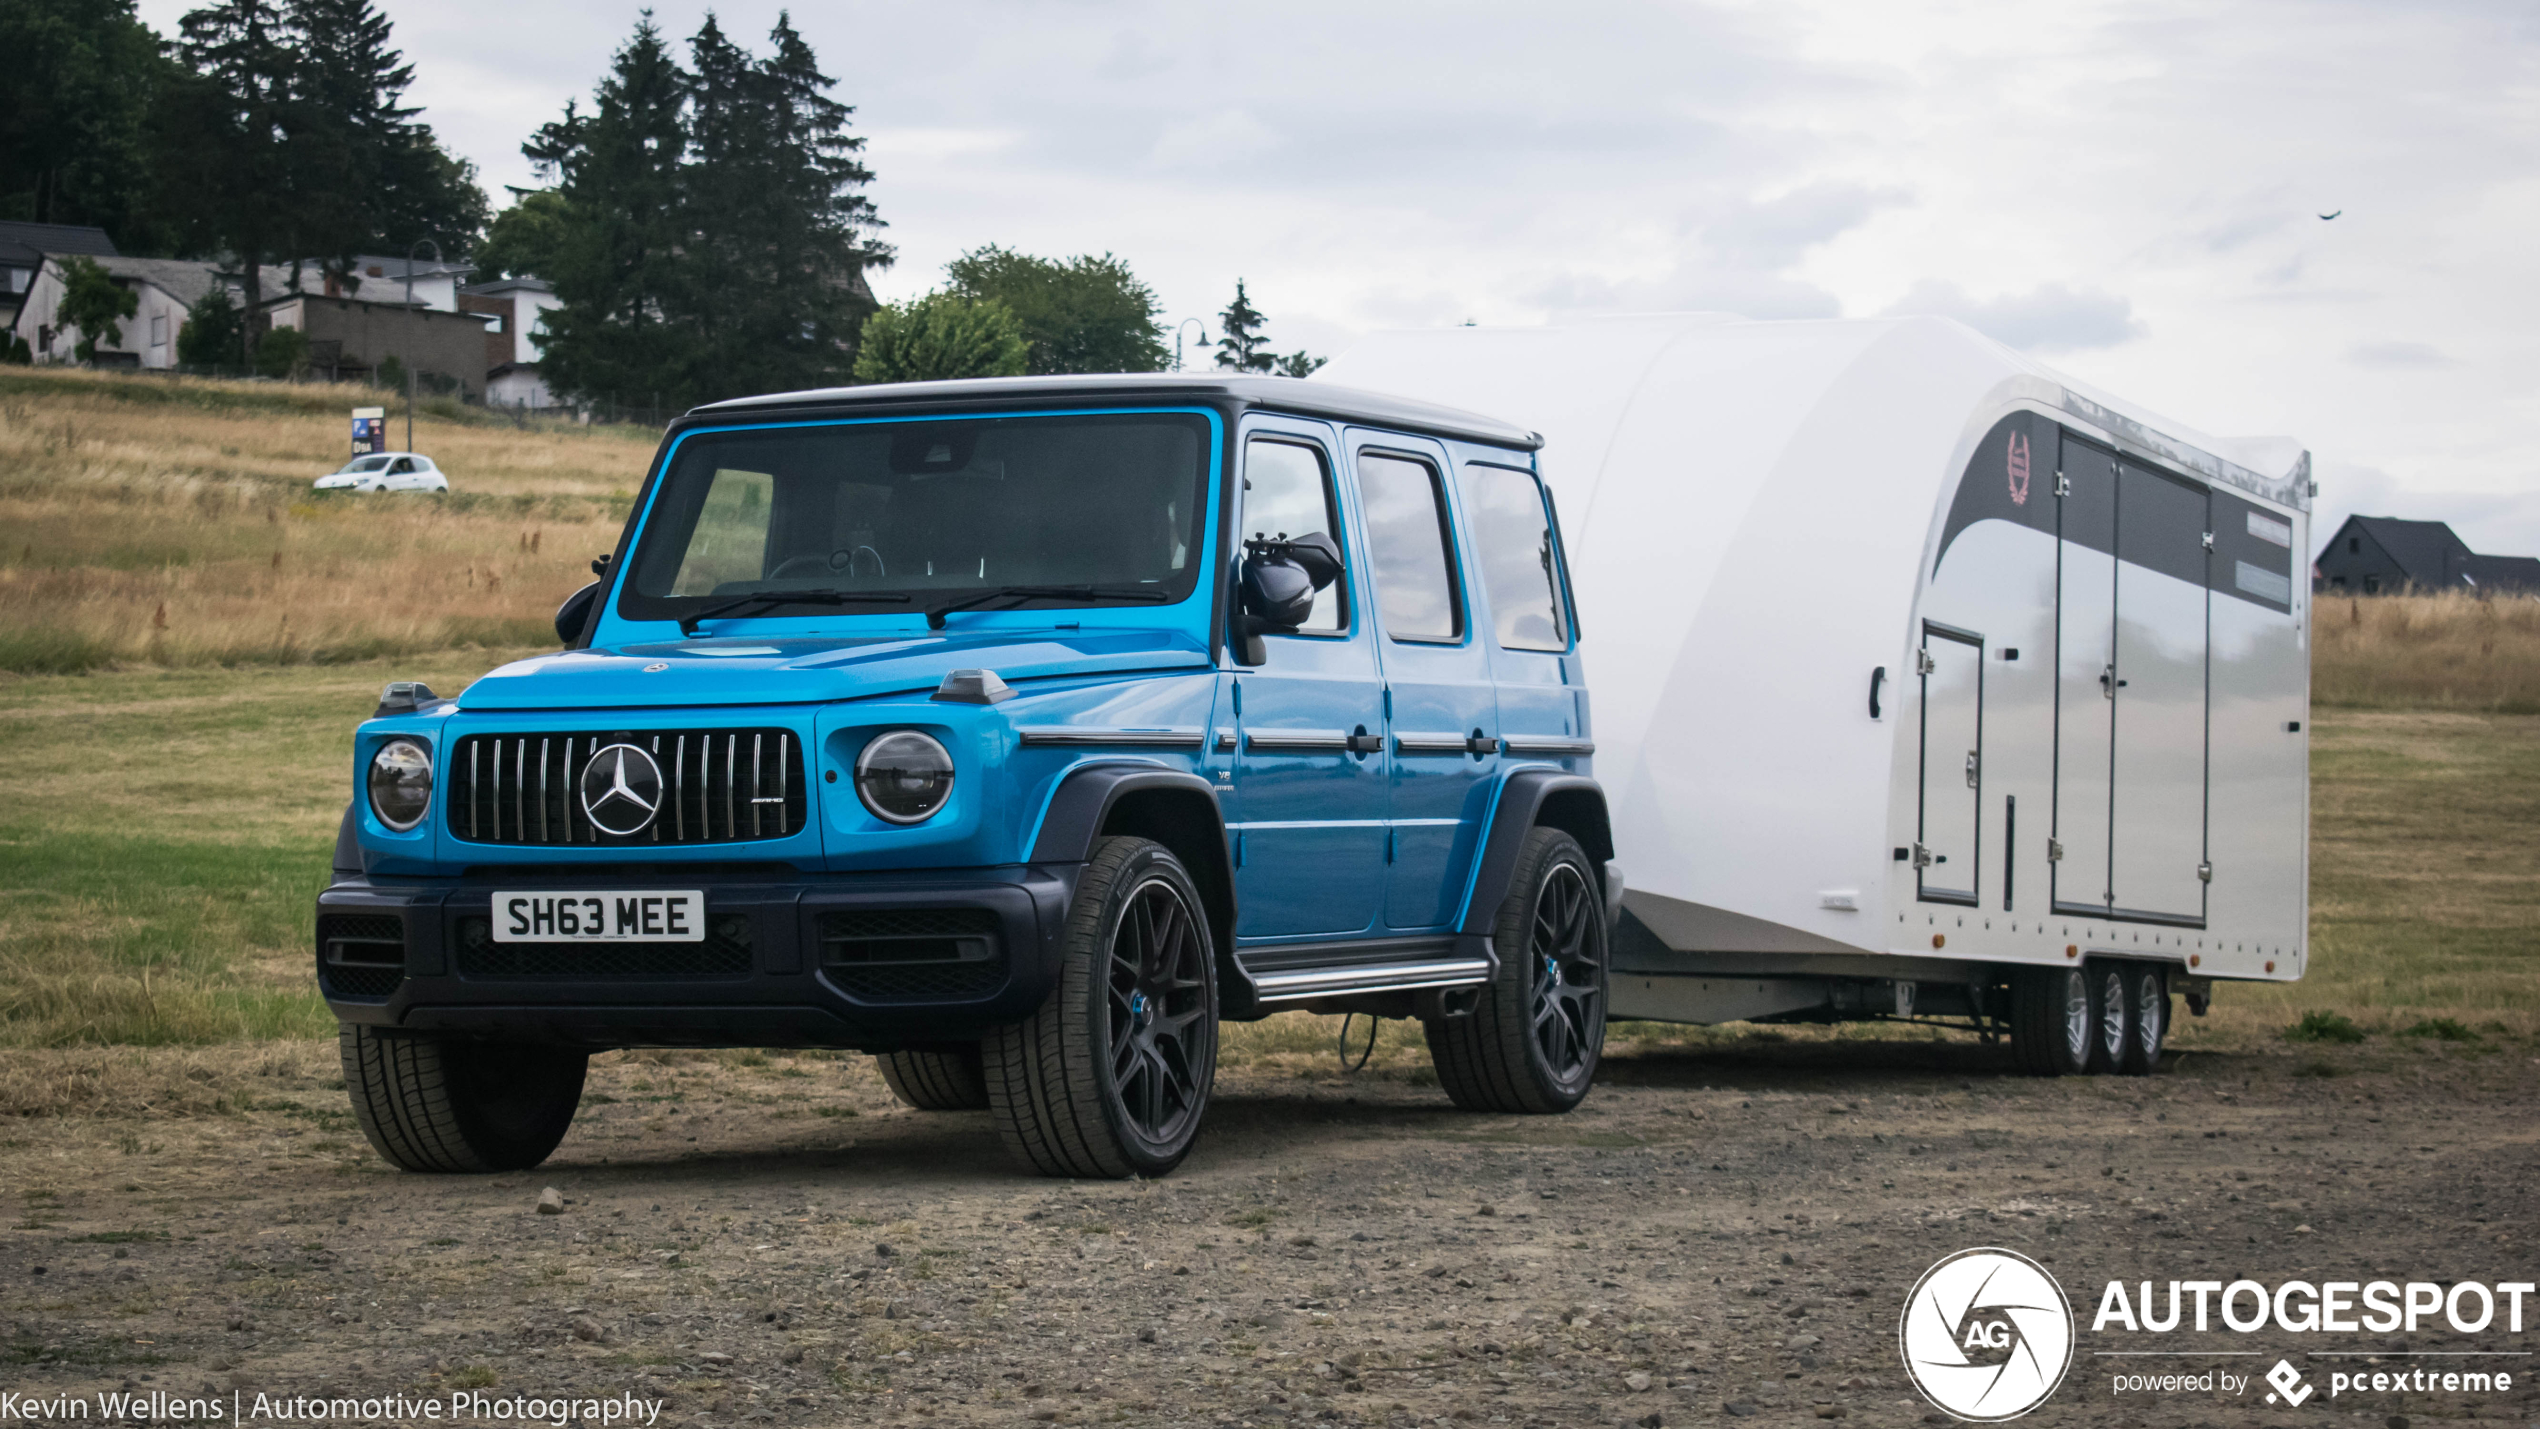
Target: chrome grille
point(718, 786)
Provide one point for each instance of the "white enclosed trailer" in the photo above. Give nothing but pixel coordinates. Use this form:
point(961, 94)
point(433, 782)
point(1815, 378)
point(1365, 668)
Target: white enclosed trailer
point(1928, 682)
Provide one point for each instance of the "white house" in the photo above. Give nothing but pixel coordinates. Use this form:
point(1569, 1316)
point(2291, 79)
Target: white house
point(514, 338)
point(168, 289)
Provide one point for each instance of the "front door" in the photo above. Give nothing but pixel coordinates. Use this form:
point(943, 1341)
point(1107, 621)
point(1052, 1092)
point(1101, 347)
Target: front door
point(2158, 847)
point(1310, 762)
point(1949, 821)
point(2085, 675)
point(1437, 676)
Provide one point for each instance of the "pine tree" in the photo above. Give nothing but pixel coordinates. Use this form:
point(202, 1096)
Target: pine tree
point(75, 99)
point(618, 172)
point(227, 156)
point(1244, 348)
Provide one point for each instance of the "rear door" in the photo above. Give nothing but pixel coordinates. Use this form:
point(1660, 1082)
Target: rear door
point(1950, 822)
point(1438, 692)
point(2158, 848)
point(2085, 674)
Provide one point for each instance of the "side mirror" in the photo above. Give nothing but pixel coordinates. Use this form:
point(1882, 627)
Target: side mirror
point(1318, 556)
point(1277, 591)
point(574, 616)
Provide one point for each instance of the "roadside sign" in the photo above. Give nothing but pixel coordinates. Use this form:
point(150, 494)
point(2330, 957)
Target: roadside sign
point(370, 430)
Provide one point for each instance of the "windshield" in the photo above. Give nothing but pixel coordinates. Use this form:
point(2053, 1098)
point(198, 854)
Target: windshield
point(928, 512)
point(368, 463)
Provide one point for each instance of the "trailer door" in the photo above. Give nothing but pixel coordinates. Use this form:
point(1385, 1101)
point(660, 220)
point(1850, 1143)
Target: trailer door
point(1949, 826)
point(2157, 851)
point(2085, 675)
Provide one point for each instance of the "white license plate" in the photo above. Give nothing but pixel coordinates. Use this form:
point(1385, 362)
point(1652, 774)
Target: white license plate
point(617, 915)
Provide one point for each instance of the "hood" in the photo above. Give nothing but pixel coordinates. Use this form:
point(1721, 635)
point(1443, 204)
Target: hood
point(816, 671)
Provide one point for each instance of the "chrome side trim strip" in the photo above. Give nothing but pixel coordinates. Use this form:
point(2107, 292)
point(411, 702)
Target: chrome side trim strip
point(1292, 741)
point(1225, 741)
point(1380, 977)
point(1069, 737)
point(1539, 744)
point(1429, 744)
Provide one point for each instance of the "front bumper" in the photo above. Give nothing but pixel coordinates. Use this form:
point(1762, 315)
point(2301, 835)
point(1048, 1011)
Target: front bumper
point(873, 961)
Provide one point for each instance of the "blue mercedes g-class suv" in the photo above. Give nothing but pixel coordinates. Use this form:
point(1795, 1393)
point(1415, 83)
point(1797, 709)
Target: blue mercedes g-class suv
point(1016, 731)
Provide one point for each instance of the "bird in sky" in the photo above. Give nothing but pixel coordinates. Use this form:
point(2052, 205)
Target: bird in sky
point(2325, 217)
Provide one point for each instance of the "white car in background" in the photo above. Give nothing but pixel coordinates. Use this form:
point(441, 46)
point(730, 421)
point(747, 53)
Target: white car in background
point(386, 471)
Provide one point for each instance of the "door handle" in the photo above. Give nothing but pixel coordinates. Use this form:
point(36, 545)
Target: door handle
point(1478, 743)
point(1361, 742)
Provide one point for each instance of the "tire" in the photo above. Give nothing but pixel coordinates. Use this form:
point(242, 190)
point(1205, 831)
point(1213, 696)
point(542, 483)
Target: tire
point(2108, 1018)
point(1531, 1044)
point(936, 1081)
point(429, 1104)
point(2147, 1019)
point(2052, 1020)
point(1110, 1078)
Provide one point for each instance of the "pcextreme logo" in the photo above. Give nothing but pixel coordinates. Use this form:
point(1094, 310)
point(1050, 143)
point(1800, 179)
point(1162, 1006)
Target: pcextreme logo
point(1986, 1335)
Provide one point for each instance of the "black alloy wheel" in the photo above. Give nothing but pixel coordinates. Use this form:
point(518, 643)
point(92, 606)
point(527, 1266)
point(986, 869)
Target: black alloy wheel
point(1111, 1076)
point(1537, 1029)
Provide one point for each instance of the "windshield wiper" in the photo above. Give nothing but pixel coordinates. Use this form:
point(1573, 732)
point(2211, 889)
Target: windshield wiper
point(935, 613)
point(688, 623)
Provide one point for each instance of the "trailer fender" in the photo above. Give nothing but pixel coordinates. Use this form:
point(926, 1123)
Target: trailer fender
point(1175, 808)
point(1572, 803)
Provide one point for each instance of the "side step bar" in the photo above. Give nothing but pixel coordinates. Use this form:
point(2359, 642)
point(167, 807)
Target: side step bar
point(1297, 984)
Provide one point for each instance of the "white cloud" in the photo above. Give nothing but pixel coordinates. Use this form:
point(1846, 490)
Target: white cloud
point(2388, 353)
point(2048, 319)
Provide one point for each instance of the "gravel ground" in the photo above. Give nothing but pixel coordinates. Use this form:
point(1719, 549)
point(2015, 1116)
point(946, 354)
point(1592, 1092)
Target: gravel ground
point(1721, 1232)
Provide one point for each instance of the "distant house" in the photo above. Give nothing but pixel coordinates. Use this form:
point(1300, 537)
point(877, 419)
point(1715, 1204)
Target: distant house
point(167, 289)
point(2383, 555)
point(512, 308)
point(350, 337)
point(383, 280)
point(25, 246)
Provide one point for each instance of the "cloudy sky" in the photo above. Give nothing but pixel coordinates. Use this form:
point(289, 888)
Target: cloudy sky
point(2131, 191)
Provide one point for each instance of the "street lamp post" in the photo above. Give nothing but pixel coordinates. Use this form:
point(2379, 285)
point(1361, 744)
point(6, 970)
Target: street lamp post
point(410, 305)
point(1177, 339)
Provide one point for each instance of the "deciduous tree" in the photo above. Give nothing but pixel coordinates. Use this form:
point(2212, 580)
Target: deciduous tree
point(95, 304)
point(939, 337)
point(1082, 314)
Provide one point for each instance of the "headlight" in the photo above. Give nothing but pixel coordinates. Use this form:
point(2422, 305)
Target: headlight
point(401, 784)
point(904, 777)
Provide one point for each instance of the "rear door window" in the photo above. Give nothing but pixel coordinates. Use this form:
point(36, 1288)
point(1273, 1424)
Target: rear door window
point(1408, 548)
point(1520, 563)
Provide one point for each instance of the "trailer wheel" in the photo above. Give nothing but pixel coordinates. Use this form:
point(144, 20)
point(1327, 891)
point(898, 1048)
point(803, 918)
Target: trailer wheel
point(429, 1104)
point(936, 1081)
point(1111, 1076)
point(1533, 1042)
point(2147, 1019)
point(2053, 1021)
point(2109, 1006)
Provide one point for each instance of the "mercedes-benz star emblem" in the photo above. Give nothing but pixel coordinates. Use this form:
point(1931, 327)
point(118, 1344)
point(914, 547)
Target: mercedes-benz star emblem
point(621, 790)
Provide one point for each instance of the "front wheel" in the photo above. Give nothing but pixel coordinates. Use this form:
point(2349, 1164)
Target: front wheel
point(1111, 1076)
point(434, 1104)
point(1532, 1042)
point(936, 1081)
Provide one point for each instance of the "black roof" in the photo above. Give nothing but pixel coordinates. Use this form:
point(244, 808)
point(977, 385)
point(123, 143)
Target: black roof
point(1277, 394)
point(2427, 551)
point(2506, 573)
point(29, 243)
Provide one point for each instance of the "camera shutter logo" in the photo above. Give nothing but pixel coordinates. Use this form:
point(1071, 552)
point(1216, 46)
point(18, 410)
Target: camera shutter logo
point(1986, 1335)
point(621, 790)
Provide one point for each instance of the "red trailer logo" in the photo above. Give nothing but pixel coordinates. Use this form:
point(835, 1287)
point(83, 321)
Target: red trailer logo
point(2018, 464)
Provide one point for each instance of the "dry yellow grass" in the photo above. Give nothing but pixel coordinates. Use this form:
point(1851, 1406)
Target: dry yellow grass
point(2450, 652)
point(171, 522)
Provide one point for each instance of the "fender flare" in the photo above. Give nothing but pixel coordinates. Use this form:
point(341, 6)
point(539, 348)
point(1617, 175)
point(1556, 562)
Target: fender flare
point(348, 849)
point(1574, 803)
point(1083, 805)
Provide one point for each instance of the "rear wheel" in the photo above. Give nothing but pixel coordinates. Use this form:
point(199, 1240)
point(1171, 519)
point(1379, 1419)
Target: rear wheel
point(2108, 1012)
point(936, 1081)
point(1111, 1076)
point(2147, 1019)
point(434, 1104)
point(1532, 1043)
point(2053, 1021)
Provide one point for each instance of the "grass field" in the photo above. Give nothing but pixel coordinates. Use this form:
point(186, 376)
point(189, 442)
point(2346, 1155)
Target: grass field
point(162, 833)
point(170, 522)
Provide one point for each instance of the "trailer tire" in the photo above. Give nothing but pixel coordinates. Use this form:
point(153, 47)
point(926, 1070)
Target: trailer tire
point(936, 1081)
point(1532, 1043)
point(2052, 1018)
point(459, 1107)
point(2109, 1028)
point(1137, 984)
point(2147, 1018)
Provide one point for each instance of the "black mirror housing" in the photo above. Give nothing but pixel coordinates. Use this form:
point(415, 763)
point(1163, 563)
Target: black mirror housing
point(1277, 592)
point(574, 616)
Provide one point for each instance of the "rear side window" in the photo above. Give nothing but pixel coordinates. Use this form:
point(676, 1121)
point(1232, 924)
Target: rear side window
point(1521, 569)
point(1288, 493)
point(1408, 548)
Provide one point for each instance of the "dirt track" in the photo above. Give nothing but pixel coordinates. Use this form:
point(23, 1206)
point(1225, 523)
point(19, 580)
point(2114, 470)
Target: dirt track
point(1727, 1234)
